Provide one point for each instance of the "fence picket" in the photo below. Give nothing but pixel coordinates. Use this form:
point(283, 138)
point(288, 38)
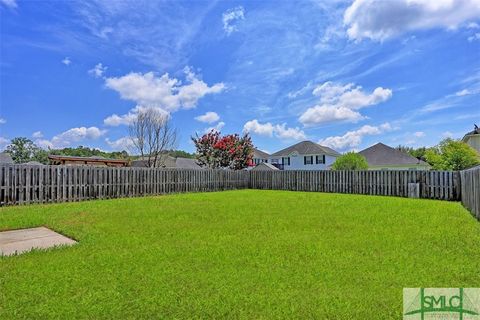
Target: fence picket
point(43, 184)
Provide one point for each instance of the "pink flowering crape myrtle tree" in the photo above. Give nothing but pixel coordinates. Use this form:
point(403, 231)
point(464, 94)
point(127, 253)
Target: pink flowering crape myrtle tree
point(230, 151)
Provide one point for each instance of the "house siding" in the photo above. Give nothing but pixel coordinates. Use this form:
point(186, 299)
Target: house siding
point(297, 162)
point(473, 141)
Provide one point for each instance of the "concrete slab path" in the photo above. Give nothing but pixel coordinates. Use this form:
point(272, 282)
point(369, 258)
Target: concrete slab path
point(23, 240)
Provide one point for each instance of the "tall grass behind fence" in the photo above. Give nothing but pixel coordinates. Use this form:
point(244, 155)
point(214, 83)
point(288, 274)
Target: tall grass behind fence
point(23, 184)
point(470, 185)
point(443, 185)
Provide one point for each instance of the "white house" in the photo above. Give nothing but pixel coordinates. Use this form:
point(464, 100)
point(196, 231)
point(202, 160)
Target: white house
point(259, 157)
point(473, 138)
point(305, 155)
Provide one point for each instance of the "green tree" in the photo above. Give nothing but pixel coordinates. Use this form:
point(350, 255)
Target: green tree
point(23, 150)
point(452, 154)
point(82, 151)
point(181, 154)
point(418, 153)
point(41, 156)
point(350, 161)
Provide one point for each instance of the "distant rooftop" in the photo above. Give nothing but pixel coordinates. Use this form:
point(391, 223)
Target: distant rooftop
point(380, 154)
point(5, 158)
point(259, 154)
point(476, 130)
point(94, 160)
point(306, 147)
point(264, 166)
point(170, 162)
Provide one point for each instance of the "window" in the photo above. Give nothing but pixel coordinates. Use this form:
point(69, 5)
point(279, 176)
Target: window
point(258, 160)
point(320, 159)
point(274, 161)
point(286, 161)
point(308, 160)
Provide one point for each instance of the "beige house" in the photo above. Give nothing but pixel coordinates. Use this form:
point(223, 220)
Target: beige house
point(383, 157)
point(473, 138)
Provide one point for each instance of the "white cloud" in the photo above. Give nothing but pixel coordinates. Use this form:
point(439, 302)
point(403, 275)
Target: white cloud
point(285, 133)
point(4, 142)
point(253, 126)
point(464, 92)
point(71, 136)
point(12, 4)
point(162, 92)
point(419, 134)
point(126, 119)
point(124, 143)
point(474, 37)
point(209, 117)
point(379, 19)
point(219, 126)
point(268, 129)
point(98, 70)
point(349, 95)
point(66, 61)
point(231, 17)
point(115, 120)
point(37, 135)
point(325, 113)
point(447, 134)
point(340, 102)
point(353, 139)
point(3, 121)
point(473, 25)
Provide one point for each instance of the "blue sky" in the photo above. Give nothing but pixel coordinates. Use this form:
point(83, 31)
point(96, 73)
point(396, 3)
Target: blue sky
point(346, 74)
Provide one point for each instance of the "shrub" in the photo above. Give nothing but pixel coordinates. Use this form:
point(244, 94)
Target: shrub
point(452, 154)
point(350, 161)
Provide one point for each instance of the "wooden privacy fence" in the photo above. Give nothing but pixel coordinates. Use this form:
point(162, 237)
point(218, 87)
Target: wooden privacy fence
point(470, 185)
point(443, 185)
point(23, 184)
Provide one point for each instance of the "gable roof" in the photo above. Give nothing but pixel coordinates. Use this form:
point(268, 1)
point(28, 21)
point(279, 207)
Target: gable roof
point(186, 163)
point(380, 154)
point(6, 158)
point(476, 130)
point(259, 154)
point(264, 166)
point(306, 147)
point(170, 162)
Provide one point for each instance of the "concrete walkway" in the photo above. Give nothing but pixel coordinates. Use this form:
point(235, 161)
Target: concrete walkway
point(23, 240)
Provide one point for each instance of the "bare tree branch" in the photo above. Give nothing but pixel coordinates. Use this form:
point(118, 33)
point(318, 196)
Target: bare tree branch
point(152, 135)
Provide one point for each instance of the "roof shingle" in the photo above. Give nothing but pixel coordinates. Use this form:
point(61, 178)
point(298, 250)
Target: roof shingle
point(381, 154)
point(306, 147)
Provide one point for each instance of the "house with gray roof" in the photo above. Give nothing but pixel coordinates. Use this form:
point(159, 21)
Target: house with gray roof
point(259, 156)
point(383, 157)
point(305, 155)
point(5, 158)
point(472, 138)
point(169, 162)
point(265, 166)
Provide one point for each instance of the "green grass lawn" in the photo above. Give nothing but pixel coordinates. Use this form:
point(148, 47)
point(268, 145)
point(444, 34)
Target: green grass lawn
point(239, 254)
